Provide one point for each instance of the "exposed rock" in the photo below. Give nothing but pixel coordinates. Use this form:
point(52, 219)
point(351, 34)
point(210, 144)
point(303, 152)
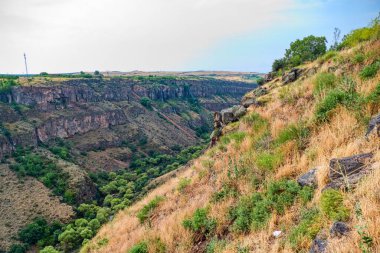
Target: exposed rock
point(232, 114)
point(339, 229)
point(291, 76)
point(318, 246)
point(269, 77)
point(217, 120)
point(374, 124)
point(346, 172)
point(312, 71)
point(308, 179)
point(247, 102)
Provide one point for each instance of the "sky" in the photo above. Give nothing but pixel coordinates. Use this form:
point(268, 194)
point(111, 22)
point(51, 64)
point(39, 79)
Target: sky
point(60, 36)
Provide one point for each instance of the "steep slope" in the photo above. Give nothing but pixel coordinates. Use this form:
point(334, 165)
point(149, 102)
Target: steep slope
point(66, 138)
point(296, 173)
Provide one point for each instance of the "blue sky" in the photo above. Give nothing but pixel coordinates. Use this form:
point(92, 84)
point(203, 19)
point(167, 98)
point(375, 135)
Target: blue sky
point(157, 35)
point(255, 51)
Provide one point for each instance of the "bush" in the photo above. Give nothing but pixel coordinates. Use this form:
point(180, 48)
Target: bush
point(329, 55)
point(216, 245)
point(278, 64)
point(309, 226)
point(268, 161)
point(334, 98)
point(146, 102)
point(49, 249)
point(18, 248)
point(183, 183)
point(332, 205)
point(200, 223)
point(297, 132)
point(324, 82)
point(147, 210)
point(358, 58)
point(34, 232)
point(253, 212)
point(141, 247)
point(6, 85)
point(370, 71)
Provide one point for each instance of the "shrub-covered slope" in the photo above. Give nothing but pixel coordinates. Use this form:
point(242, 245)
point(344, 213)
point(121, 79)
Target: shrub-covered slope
point(272, 182)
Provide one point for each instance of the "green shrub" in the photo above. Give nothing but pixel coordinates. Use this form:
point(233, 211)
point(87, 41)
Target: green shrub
point(308, 227)
point(370, 71)
point(6, 85)
point(215, 245)
point(332, 205)
point(146, 102)
point(226, 191)
point(200, 223)
point(324, 82)
point(147, 210)
point(18, 248)
point(282, 194)
point(141, 247)
point(49, 249)
point(268, 161)
point(328, 55)
point(34, 232)
point(183, 183)
point(358, 58)
point(332, 100)
point(298, 132)
point(253, 212)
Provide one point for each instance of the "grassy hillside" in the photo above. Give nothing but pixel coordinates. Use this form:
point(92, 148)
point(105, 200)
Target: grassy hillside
point(233, 197)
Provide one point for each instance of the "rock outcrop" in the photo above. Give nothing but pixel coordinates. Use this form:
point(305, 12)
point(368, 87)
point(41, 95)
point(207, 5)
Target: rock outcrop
point(291, 76)
point(308, 179)
point(346, 172)
point(339, 229)
point(374, 124)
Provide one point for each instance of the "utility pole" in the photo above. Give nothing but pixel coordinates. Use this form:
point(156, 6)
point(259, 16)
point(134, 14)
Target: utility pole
point(26, 65)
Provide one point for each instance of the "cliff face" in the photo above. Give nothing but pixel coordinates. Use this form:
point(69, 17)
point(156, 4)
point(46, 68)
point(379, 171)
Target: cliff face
point(63, 109)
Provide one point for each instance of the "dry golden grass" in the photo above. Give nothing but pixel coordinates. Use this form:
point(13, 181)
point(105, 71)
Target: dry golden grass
point(342, 136)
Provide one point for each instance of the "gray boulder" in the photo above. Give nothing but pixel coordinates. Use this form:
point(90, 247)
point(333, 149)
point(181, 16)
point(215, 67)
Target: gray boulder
point(247, 102)
point(308, 179)
point(374, 123)
point(347, 171)
point(291, 76)
point(339, 229)
point(318, 246)
point(232, 114)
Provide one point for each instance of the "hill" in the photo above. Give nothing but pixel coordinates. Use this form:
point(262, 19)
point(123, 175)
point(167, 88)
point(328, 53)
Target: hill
point(298, 172)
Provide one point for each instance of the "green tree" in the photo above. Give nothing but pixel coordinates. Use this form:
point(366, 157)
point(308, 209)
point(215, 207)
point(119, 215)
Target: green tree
point(49, 249)
point(278, 64)
point(307, 49)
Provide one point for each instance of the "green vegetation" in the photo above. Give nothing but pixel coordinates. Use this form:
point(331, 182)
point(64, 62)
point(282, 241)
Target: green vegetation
point(45, 170)
point(141, 247)
point(146, 102)
point(268, 161)
point(200, 223)
point(324, 82)
point(332, 205)
point(6, 85)
point(307, 228)
point(344, 94)
point(300, 51)
point(370, 71)
point(372, 32)
point(146, 212)
point(253, 212)
point(294, 132)
point(183, 183)
point(238, 137)
point(215, 245)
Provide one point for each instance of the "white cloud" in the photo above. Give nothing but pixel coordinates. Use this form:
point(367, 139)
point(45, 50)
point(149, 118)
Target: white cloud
point(68, 35)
